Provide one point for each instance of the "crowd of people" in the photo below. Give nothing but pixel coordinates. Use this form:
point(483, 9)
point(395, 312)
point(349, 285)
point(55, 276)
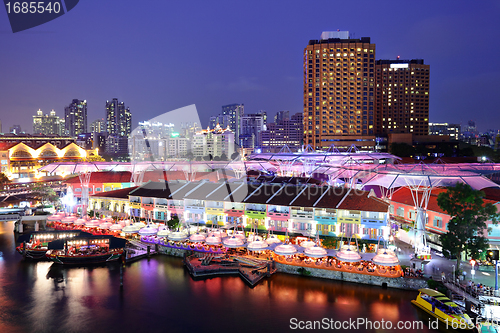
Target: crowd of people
point(416, 273)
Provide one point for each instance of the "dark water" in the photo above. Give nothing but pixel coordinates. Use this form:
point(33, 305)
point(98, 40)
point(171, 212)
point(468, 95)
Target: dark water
point(160, 296)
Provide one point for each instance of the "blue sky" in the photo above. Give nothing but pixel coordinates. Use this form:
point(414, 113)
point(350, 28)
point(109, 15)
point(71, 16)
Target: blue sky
point(158, 56)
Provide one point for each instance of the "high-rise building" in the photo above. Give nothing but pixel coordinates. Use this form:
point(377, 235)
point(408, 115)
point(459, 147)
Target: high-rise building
point(222, 121)
point(289, 132)
point(453, 130)
point(234, 112)
point(215, 142)
point(98, 126)
point(75, 118)
point(251, 127)
point(118, 118)
point(402, 97)
point(48, 124)
point(16, 129)
point(281, 116)
point(339, 87)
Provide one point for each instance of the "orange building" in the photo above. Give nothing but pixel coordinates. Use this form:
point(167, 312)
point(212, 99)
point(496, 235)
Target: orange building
point(339, 88)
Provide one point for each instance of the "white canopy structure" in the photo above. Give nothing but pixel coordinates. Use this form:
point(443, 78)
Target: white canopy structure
point(348, 253)
point(233, 242)
point(386, 257)
point(285, 250)
point(177, 235)
point(315, 252)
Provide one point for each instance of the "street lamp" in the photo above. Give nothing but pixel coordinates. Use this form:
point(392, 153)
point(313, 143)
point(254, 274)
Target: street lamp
point(472, 272)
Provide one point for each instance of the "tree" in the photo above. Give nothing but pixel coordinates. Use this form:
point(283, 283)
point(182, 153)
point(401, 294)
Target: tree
point(223, 157)
point(173, 223)
point(235, 155)
point(3, 180)
point(46, 194)
point(189, 155)
point(469, 214)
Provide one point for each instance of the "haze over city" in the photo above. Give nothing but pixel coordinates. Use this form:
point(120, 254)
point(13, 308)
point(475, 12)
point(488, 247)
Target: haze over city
point(162, 56)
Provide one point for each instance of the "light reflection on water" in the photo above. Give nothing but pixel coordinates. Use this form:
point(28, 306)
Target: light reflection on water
point(160, 296)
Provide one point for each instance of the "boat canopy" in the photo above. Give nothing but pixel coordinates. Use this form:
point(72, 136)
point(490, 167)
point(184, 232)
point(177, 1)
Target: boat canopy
point(27, 237)
point(430, 292)
point(114, 242)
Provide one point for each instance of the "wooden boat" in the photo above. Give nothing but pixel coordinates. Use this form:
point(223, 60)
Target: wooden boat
point(35, 244)
point(93, 249)
point(441, 307)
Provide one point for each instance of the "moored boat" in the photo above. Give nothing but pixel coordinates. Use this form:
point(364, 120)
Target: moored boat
point(35, 244)
point(93, 249)
point(445, 310)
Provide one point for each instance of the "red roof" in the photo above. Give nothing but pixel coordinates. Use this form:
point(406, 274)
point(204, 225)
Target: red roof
point(404, 196)
point(104, 177)
point(121, 193)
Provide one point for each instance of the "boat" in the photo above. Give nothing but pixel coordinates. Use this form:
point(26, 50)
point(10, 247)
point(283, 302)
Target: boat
point(34, 245)
point(83, 250)
point(444, 309)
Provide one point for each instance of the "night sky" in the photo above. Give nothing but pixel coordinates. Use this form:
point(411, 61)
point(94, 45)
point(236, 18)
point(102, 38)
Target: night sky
point(158, 56)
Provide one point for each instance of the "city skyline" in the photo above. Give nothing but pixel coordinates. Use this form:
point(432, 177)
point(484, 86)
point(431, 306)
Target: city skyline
point(259, 66)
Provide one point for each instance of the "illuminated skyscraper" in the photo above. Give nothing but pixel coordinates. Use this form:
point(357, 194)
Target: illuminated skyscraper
point(233, 112)
point(75, 116)
point(46, 124)
point(339, 83)
point(118, 118)
point(402, 97)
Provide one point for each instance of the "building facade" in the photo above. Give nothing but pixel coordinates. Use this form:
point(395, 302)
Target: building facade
point(402, 97)
point(98, 126)
point(251, 128)
point(453, 130)
point(233, 113)
point(214, 142)
point(118, 118)
point(339, 88)
point(75, 118)
point(48, 124)
point(286, 131)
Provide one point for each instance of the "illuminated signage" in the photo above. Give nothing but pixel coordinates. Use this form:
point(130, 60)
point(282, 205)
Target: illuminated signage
point(400, 65)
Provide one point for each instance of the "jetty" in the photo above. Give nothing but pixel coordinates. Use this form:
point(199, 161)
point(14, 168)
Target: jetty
point(251, 270)
point(136, 250)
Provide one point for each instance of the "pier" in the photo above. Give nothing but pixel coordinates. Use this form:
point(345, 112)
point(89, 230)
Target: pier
point(251, 270)
point(136, 250)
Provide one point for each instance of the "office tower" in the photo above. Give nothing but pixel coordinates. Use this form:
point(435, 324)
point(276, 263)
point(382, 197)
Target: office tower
point(216, 142)
point(289, 132)
point(234, 112)
point(118, 118)
point(453, 130)
point(48, 124)
point(339, 85)
point(281, 116)
point(75, 118)
point(16, 129)
point(251, 127)
point(402, 97)
point(98, 126)
point(222, 121)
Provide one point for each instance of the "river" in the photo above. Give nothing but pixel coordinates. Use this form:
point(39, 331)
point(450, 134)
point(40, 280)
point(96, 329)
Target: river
point(159, 295)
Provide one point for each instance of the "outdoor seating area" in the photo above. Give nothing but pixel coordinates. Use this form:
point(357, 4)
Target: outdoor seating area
point(332, 263)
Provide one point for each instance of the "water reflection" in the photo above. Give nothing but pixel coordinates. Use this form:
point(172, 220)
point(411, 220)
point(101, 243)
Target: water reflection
point(159, 296)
